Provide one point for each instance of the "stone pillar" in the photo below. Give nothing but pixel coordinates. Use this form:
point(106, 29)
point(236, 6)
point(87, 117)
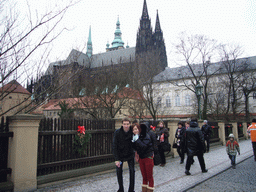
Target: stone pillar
point(200, 123)
point(22, 155)
point(222, 133)
point(234, 130)
point(245, 130)
point(173, 125)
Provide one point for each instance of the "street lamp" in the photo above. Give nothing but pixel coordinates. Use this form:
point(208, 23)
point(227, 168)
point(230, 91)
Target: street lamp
point(199, 90)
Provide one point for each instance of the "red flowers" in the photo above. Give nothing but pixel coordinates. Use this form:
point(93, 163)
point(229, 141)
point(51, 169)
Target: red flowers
point(213, 127)
point(81, 129)
point(152, 127)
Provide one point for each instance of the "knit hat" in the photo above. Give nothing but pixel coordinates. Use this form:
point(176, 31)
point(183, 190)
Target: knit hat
point(254, 120)
point(231, 135)
point(205, 121)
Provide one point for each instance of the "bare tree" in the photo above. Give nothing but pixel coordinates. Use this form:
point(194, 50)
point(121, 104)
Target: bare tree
point(247, 83)
point(104, 90)
point(21, 38)
point(146, 67)
point(197, 49)
point(234, 68)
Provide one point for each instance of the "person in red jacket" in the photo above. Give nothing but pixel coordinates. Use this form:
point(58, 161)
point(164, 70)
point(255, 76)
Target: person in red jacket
point(252, 133)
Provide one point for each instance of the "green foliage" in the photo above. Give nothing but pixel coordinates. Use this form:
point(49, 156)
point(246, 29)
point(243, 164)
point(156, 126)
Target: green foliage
point(80, 143)
point(66, 111)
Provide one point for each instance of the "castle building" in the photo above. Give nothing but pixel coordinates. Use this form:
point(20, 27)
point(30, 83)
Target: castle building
point(80, 67)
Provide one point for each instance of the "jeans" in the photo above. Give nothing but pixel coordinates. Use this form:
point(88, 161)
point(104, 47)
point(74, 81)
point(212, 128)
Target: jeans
point(119, 173)
point(233, 159)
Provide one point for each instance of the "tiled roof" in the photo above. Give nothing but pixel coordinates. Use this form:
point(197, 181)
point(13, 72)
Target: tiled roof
point(184, 72)
point(14, 87)
point(93, 101)
point(97, 60)
point(113, 57)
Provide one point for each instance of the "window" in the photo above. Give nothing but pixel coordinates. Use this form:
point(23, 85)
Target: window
point(254, 95)
point(187, 100)
point(168, 101)
point(159, 102)
point(177, 100)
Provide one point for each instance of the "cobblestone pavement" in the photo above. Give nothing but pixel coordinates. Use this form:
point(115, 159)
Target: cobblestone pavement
point(167, 179)
point(242, 178)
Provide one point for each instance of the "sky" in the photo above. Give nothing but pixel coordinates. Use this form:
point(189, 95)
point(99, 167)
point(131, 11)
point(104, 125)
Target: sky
point(227, 21)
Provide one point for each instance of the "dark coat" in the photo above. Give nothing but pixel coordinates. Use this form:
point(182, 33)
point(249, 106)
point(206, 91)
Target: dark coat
point(206, 130)
point(144, 145)
point(152, 136)
point(181, 136)
point(159, 132)
point(122, 145)
point(194, 140)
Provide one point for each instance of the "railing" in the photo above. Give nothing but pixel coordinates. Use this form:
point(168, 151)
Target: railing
point(228, 130)
point(215, 132)
point(4, 141)
point(55, 145)
point(240, 129)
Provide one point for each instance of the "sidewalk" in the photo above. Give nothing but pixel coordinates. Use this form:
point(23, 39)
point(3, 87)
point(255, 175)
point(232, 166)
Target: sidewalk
point(167, 179)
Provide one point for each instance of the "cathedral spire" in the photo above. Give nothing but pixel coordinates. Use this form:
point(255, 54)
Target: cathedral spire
point(145, 11)
point(89, 44)
point(117, 42)
point(157, 27)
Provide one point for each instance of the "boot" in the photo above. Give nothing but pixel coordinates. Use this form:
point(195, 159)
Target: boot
point(144, 188)
point(150, 189)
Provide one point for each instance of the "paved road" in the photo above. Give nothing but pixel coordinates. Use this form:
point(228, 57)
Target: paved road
point(243, 178)
point(167, 179)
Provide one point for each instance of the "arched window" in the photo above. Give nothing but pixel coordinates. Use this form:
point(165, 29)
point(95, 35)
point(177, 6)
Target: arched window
point(168, 101)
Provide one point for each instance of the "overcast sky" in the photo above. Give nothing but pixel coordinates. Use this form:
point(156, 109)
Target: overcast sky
point(228, 21)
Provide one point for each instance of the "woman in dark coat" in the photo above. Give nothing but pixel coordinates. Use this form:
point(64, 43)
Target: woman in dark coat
point(143, 145)
point(180, 135)
point(162, 135)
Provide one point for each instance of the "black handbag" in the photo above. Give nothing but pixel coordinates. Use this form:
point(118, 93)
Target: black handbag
point(174, 145)
point(166, 146)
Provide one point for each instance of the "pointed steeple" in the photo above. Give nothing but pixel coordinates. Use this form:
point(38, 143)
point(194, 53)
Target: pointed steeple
point(89, 44)
point(145, 11)
point(157, 27)
point(117, 42)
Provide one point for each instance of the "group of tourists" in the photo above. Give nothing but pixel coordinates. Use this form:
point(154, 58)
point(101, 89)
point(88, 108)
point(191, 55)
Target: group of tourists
point(147, 145)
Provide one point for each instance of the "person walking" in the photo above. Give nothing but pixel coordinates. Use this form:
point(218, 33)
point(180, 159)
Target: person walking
point(123, 151)
point(143, 145)
point(207, 131)
point(195, 146)
point(252, 133)
point(232, 148)
point(180, 135)
point(162, 135)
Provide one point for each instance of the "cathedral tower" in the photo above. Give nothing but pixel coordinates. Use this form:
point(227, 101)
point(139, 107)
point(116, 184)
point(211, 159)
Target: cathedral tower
point(150, 50)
